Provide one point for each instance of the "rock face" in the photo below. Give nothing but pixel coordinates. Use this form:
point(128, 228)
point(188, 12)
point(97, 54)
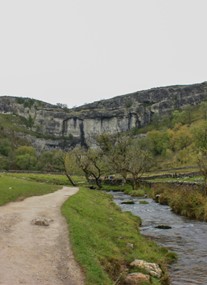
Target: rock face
point(62, 127)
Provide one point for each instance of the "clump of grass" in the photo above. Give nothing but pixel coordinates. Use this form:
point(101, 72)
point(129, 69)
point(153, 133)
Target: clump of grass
point(141, 192)
point(12, 189)
point(183, 200)
point(143, 202)
point(100, 234)
point(135, 193)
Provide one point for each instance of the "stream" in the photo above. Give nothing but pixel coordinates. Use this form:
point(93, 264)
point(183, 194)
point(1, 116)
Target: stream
point(187, 238)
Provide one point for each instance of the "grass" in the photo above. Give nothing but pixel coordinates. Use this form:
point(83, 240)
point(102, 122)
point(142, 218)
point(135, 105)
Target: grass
point(58, 179)
point(194, 179)
point(183, 200)
point(12, 188)
point(178, 170)
point(100, 235)
point(45, 178)
point(127, 189)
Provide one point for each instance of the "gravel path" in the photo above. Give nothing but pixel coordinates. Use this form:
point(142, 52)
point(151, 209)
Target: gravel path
point(34, 254)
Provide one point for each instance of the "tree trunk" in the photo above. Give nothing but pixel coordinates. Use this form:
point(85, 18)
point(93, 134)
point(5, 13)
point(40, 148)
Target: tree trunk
point(135, 183)
point(70, 179)
point(98, 183)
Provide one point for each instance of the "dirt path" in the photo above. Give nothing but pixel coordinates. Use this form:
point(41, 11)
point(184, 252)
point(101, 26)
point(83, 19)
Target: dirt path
point(33, 254)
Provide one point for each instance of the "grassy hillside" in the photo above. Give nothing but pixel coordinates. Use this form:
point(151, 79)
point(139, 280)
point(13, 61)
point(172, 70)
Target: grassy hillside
point(176, 139)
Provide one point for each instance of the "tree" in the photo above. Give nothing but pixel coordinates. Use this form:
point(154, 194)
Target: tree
point(183, 116)
point(138, 161)
point(26, 150)
point(50, 161)
point(68, 161)
point(180, 137)
point(5, 147)
point(114, 148)
point(200, 137)
point(26, 158)
point(127, 157)
point(158, 142)
point(82, 161)
point(26, 161)
point(92, 162)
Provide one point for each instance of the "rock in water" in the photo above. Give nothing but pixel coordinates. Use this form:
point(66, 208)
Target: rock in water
point(163, 227)
point(128, 202)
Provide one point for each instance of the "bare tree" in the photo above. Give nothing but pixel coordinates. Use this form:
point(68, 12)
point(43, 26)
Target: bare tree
point(92, 163)
point(67, 160)
point(126, 157)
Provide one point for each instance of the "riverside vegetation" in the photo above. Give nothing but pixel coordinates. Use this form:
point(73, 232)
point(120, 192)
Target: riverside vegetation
point(101, 235)
point(184, 200)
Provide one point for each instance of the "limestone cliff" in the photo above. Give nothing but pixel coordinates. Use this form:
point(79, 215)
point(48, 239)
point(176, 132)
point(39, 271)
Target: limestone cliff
point(60, 127)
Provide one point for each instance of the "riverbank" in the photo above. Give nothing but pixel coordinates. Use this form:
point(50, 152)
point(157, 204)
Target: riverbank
point(185, 237)
point(184, 200)
point(106, 240)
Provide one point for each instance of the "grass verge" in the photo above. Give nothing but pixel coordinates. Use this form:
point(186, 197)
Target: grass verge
point(12, 188)
point(58, 179)
point(105, 240)
point(183, 200)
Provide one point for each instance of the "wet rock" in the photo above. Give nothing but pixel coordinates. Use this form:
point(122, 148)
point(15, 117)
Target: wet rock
point(163, 227)
point(128, 202)
point(42, 221)
point(143, 202)
point(136, 279)
point(157, 198)
point(152, 268)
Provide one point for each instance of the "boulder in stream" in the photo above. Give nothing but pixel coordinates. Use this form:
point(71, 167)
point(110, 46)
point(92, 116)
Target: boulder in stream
point(128, 202)
point(163, 227)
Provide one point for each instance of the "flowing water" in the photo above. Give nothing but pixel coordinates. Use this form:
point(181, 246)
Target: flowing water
point(188, 238)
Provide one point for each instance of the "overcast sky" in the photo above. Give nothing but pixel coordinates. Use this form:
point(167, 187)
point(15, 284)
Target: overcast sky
point(79, 51)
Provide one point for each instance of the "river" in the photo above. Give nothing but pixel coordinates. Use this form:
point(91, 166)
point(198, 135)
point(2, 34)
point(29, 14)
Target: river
point(188, 238)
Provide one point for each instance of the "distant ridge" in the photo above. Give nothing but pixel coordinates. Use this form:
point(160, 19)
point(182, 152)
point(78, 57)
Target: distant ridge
point(55, 126)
